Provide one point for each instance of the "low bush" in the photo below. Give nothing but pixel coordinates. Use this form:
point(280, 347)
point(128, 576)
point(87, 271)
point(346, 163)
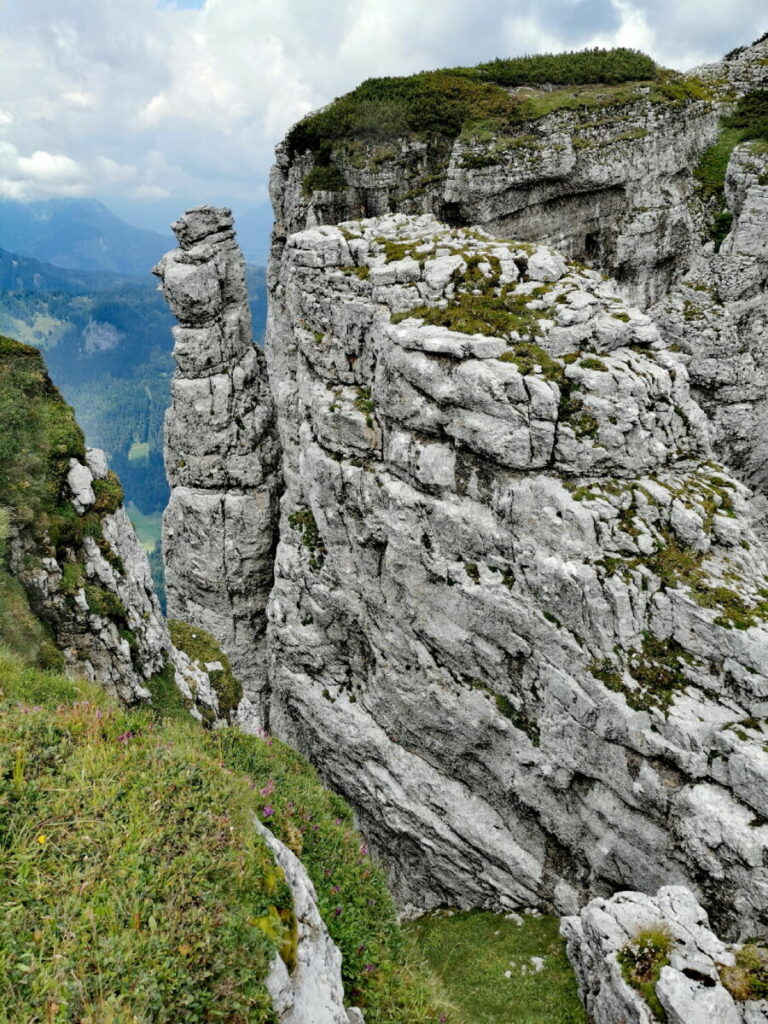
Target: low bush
point(443, 102)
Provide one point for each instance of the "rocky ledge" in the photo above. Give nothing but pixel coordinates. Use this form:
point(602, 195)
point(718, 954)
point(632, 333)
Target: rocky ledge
point(635, 955)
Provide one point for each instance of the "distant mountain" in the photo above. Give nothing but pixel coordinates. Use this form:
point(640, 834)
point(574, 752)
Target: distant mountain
point(79, 234)
point(22, 274)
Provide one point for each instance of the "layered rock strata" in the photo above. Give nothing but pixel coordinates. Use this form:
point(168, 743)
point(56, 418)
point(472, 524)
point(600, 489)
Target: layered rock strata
point(606, 182)
point(611, 937)
point(519, 614)
point(221, 454)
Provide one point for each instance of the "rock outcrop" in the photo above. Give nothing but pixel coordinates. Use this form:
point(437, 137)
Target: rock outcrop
point(312, 992)
point(691, 958)
point(717, 315)
point(221, 453)
point(606, 182)
point(519, 615)
point(504, 621)
point(99, 602)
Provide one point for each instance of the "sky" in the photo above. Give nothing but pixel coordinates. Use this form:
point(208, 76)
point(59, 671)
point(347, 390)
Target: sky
point(156, 105)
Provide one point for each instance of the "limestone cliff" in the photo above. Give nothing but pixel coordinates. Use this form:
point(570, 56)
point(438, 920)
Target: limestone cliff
point(519, 610)
point(504, 619)
point(221, 453)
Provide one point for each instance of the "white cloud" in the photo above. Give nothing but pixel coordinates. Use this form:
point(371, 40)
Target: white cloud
point(145, 193)
point(142, 100)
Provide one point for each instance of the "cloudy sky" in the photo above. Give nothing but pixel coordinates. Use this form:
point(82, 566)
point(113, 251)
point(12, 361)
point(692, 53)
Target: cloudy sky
point(152, 105)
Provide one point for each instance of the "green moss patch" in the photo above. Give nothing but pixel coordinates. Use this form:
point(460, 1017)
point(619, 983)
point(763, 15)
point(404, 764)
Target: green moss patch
point(748, 979)
point(203, 649)
point(303, 521)
point(485, 963)
point(641, 961)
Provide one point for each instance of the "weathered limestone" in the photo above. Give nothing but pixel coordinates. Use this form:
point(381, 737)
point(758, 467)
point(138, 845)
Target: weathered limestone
point(717, 315)
point(608, 185)
point(486, 566)
point(107, 623)
point(221, 455)
point(313, 992)
point(689, 986)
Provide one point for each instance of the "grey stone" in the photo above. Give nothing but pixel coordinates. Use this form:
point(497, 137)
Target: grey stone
point(313, 992)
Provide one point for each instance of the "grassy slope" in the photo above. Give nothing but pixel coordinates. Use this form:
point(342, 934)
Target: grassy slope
point(472, 953)
point(749, 122)
point(132, 886)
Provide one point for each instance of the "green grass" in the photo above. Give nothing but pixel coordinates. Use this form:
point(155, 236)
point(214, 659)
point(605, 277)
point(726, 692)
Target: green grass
point(749, 122)
point(133, 887)
point(471, 951)
point(748, 978)
point(132, 883)
point(204, 650)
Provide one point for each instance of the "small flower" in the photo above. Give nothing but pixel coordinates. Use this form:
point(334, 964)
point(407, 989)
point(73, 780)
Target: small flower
point(336, 888)
point(337, 911)
point(125, 737)
point(268, 811)
point(269, 789)
point(368, 968)
point(42, 839)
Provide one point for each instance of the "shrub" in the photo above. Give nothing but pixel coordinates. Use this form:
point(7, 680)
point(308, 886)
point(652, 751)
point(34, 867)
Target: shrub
point(580, 67)
point(441, 103)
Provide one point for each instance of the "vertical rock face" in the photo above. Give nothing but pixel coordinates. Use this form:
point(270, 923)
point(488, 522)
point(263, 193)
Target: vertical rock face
point(221, 452)
point(517, 609)
point(519, 612)
point(717, 315)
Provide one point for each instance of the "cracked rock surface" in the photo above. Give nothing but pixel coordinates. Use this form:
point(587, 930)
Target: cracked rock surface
point(518, 616)
point(689, 987)
point(221, 454)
